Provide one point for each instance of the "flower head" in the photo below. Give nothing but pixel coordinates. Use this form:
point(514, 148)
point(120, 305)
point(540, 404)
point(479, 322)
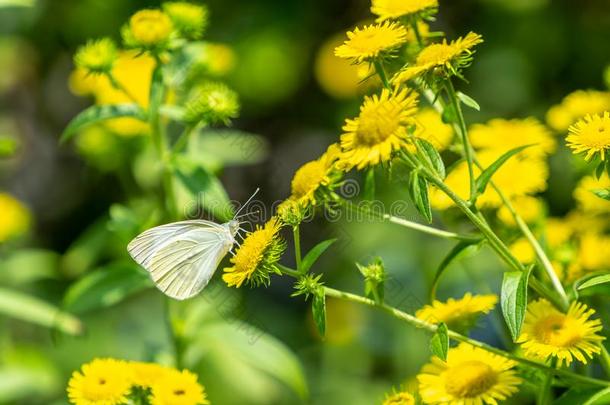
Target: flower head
point(178, 388)
point(588, 202)
point(451, 56)
point(189, 19)
point(148, 29)
point(460, 313)
point(313, 179)
point(97, 56)
point(15, 218)
point(213, 102)
point(575, 106)
point(379, 129)
point(147, 374)
point(546, 332)
point(101, 382)
point(469, 376)
point(392, 9)
point(372, 41)
point(257, 257)
point(399, 398)
point(591, 135)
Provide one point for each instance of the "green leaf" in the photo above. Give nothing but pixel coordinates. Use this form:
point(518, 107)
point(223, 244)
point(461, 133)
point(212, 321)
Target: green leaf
point(454, 253)
point(485, 176)
point(600, 397)
point(99, 113)
point(604, 194)
point(204, 188)
point(601, 279)
point(514, 300)
point(369, 185)
point(28, 265)
point(600, 169)
point(106, 286)
point(31, 309)
point(432, 156)
point(468, 101)
point(584, 396)
point(17, 3)
point(439, 344)
point(312, 256)
point(215, 149)
point(318, 308)
point(418, 189)
point(157, 91)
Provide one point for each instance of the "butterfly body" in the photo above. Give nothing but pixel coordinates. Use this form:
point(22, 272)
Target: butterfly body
point(181, 257)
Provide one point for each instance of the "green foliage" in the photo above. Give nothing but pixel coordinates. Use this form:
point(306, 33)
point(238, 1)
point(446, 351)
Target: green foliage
point(314, 254)
point(485, 176)
point(418, 190)
point(99, 113)
point(513, 300)
point(439, 343)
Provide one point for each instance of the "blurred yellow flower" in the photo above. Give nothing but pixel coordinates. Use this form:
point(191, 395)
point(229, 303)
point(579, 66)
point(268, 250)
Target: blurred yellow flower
point(212, 103)
point(458, 313)
point(500, 136)
point(450, 55)
point(148, 28)
point(430, 126)
point(219, 59)
point(100, 382)
point(178, 388)
point(594, 252)
point(15, 218)
point(590, 135)
point(372, 41)
point(257, 256)
point(548, 333)
point(379, 129)
point(147, 374)
point(469, 376)
point(312, 176)
point(557, 232)
point(96, 56)
point(588, 202)
point(399, 398)
point(189, 19)
point(575, 106)
point(393, 9)
point(523, 251)
point(530, 209)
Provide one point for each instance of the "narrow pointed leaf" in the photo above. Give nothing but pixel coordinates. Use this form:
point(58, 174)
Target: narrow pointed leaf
point(483, 179)
point(468, 101)
point(597, 280)
point(453, 254)
point(513, 300)
point(369, 185)
point(432, 156)
point(98, 113)
point(439, 344)
point(312, 256)
point(604, 194)
point(418, 189)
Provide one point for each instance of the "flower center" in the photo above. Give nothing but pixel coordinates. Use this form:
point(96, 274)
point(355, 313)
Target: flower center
point(436, 54)
point(469, 379)
point(377, 125)
point(556, 330)
point(179, 392)
point(308, 178)
point(597, 137)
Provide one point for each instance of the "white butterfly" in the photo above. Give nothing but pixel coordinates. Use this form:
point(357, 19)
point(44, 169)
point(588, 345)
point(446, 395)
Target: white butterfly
point(182, 257)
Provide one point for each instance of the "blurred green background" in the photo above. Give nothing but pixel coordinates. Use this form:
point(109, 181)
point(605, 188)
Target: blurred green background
point(535, 52)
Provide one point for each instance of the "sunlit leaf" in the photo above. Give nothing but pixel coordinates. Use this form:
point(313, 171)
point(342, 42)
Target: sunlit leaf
point(513, 300)
point(439, 343)
point(312, 256)
point(98, 113)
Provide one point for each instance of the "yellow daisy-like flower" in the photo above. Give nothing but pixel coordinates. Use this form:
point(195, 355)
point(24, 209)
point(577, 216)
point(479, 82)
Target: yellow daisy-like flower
point(101, 382)
point(530, 209)
point(557, 232)
point(257, 256)
point(430, 126)
point(379, 129)
point(594, 252)
point(575, 106)
point(548, 333)
point(588, 202)
point(178, 388)
point(500, 135)
point(97, 56)
point(372, 41)
point(399, 398)
point(452, 56)
point(148, 28)
point(470, 376)
point(15, 218)
point(522, 249)
point(188, 18)
point(461, 312)
point(590, 135)
point(147, 374)
point(392, 9)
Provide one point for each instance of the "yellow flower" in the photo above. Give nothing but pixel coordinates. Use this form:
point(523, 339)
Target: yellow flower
point(458, 313)
point(590, 135)
point(148, 28)
point(379, 129)
point(257, 256)
point(15, 218)
point(557, 232)
point(469, 376)
point(178, 388)
point(97, 56)
point(575, 106)
point(392, 9)
point(548, 333)
point(372, 41)
point(588, 202)
point(101, 382)
point(523, 251)
point(594, 252)
point(314, 176)
point(430, 126)
point(189, 19)
point(218, 59)
point(530, 209)
point(452, 56)
point(399, 398)
point(214, 103)
point(500, 135)
point(148, 374)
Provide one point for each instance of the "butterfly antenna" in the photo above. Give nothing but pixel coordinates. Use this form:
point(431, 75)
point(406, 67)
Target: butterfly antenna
point(247, 202)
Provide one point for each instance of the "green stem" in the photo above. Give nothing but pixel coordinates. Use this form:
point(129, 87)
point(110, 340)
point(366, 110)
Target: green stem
point(183, 139)
point(413, 23)
point(418, 323)
point(381, 72)
point(464, 135)
point(544, 396)
point(288, 271)
point(604, 359)
point(430, 230)
point(297, 246)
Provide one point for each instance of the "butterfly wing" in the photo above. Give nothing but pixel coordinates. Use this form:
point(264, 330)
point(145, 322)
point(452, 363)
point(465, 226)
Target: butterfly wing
point(181, 257)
